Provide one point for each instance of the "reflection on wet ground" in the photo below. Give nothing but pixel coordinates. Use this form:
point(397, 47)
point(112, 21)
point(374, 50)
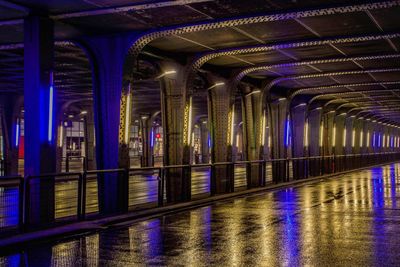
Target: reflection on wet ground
point(351, 220)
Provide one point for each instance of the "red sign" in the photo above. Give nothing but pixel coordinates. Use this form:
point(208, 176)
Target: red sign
point(158, 136)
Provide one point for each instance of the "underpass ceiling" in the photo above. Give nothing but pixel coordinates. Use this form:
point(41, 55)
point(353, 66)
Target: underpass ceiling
point(74, 18)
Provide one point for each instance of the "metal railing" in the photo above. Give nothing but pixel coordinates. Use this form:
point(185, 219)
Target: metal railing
point(74, 163)
point(76, 194)
point(2, 167)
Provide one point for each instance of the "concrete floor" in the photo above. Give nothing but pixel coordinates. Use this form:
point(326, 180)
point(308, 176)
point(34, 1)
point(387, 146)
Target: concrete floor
point(352, 220)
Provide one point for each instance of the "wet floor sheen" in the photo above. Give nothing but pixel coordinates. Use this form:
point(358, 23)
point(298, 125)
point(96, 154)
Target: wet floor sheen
point(352, 220)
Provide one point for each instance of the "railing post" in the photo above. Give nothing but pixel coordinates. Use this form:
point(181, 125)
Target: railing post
point(21, 204)
point(83, 196)
point(160, 179)
point(213, 180)
point(264, 173)
point(232, 176)
point(80, 192)
point(26, 202)
point(67, 164)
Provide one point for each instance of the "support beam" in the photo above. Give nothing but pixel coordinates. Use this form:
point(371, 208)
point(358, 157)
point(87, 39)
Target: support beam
point(278, 113)
point(175, 113)
point(147, 139)
point(107, 59)
point(252, 111)
point(221, 116)
point(314, 143)
point(298, 121)
point(40, 110)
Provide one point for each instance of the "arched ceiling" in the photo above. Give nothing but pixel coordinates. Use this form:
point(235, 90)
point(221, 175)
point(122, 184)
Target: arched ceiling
point(344, 50)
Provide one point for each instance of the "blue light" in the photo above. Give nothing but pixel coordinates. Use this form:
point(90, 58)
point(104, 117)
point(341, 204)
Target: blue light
point(287, 133)
point(379, 140)
point(373, 140)
point(50, 129)
point(17, 133)
point(152, 137)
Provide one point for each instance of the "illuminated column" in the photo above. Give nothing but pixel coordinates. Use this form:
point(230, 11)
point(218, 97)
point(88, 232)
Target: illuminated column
point(147, 132)
point(40, 110)
point(314, 144)
point(300, 141)
point(278, 113)
point(222, 118)
point(10, 120)
point(357, 132)
point(338, 140)
point(348, 148)
point(205, 141)
point(328, 122)
point(252, 126)
point(90, 146)
point(175, 115)
point(112, 103)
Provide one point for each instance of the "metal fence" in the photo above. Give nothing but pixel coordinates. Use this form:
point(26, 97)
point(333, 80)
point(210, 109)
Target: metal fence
point(2, 167)
point(76, 195)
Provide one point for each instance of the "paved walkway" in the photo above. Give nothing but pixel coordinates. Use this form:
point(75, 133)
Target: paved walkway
point(352, 220)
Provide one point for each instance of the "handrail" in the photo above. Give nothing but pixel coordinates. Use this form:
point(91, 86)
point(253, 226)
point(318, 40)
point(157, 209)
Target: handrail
point(207, 164)
point(325, 164)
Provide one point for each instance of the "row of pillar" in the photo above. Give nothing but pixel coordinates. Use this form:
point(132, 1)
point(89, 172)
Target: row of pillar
point(111, 116)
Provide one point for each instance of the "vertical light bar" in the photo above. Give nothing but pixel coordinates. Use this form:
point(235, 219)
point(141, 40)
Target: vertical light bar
point(344, 137)
point(379, 140)
point(383, 140)
point(237, 140)
point(232, 124)
point(269, 141)
point(51, 99)
point(321, 133)
point(353, 138)
point(17, 133)
point(287, 132)
point(306, 134)
point(373, 140)
point(127, 115)
point(334, 136)
point(152, 137)
point(263, 129)
point(61, 135)
point(388, 141)
point(189, 135)
point(361, 138)
point(368, 139)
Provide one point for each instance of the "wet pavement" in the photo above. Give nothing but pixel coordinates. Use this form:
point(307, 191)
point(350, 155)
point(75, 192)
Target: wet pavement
point(349, 220)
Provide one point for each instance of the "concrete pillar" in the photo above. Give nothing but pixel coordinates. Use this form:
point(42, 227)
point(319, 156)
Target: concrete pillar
point(252, 125)
point(338, 143)
point(278, 111)
point(10, 118)
point(205, 146)
point(327, 148)
point(298, 120)
point(61, 133)
point(40, 111)
point(90, 146)
point(112, 103)
point(221, 116)
point(176, 117)
point(349, 135)
point(314, 137)
point(147, 136)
